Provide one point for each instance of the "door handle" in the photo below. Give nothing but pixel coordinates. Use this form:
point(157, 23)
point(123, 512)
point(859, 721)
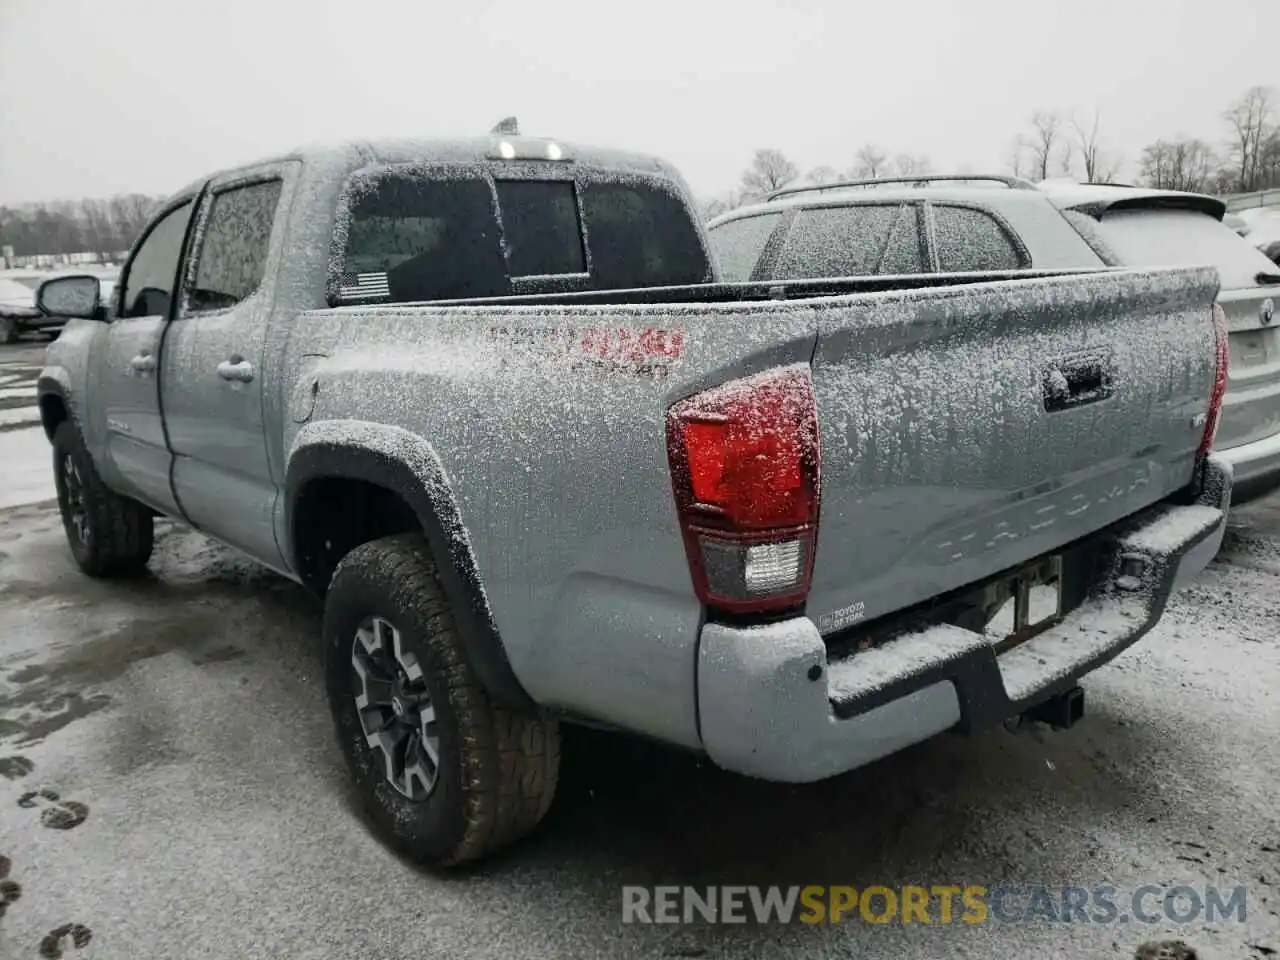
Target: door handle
point(143, 363)
point(236, 370)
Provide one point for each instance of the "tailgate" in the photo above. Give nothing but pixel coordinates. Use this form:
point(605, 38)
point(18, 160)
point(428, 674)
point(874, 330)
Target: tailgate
point(965, 431)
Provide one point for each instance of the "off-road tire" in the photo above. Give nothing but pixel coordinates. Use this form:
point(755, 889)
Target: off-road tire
point(497, 770)
point(8, 330)
point(121, 531)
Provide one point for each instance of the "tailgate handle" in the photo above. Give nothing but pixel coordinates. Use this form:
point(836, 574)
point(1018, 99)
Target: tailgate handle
point(1076, 380)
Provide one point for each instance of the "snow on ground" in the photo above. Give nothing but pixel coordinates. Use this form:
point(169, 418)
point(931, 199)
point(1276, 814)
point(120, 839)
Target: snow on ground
point(23, 416)
point(185, 712)
point(27, 467)
point(25, 461)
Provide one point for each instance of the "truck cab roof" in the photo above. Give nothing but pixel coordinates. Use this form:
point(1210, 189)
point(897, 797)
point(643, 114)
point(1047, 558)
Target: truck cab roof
point(479, 150)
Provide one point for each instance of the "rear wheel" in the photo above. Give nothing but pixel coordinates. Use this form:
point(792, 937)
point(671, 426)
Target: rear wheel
point(109, 535)
point(444, 774)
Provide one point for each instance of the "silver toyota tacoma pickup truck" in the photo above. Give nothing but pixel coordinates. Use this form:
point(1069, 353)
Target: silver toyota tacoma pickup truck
point(488, 400)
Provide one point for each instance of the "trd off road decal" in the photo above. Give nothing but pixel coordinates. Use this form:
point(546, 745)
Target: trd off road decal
point(646, 352)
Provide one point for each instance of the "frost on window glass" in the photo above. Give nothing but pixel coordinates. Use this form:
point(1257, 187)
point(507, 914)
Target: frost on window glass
point(149, 278)
point(641, 236)
point(234, 248)
point(852, 241)
point(737, 245)
point(540, 229)
point(903, 253)
point(1176, 238)
point(413, 238)
point(969, 239)
point(71, 296)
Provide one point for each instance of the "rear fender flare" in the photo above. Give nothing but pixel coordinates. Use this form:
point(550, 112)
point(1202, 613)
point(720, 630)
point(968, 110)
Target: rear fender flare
point(406, 464)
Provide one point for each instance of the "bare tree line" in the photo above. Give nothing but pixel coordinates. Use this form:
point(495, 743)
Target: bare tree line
point(1247, 159)
point(772, 170)
point(1055, 144)
point(1063, 145)
point(105, 227)
point(1068, 145)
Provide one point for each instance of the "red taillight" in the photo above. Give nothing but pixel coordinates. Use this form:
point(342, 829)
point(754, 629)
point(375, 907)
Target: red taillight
point(744, 466)
point(1222, 355)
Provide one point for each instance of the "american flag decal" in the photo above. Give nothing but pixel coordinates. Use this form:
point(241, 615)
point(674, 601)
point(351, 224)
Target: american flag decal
point(364, 286)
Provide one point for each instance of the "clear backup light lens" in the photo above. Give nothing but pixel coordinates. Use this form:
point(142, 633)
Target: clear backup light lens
point(771, 567)
point(745, 572)
point(554, 152)
point(506, 151)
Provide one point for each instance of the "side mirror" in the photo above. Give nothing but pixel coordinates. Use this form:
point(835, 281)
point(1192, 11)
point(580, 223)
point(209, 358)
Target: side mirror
point(77, 296)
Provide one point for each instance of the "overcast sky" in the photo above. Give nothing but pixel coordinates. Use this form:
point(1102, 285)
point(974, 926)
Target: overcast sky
point(106, 96)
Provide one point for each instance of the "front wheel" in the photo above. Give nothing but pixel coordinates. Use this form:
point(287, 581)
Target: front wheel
point(444, 774)
point(109, 535)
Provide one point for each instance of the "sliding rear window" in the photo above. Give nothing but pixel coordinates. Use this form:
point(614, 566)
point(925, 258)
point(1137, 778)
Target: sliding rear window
point(414, 236)
point(541, 231)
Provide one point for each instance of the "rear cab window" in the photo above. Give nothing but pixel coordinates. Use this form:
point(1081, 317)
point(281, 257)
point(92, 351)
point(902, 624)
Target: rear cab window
point(541, 230)
point(412, 233)
point(1169, 238)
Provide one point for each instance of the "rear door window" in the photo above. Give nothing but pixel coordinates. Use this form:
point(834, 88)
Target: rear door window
point(234, 249)
point(737, 245)
point(969, 239)
point(860, 240)
point(1169, 238)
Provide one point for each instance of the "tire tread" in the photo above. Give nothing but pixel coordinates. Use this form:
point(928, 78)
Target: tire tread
point(510, 762)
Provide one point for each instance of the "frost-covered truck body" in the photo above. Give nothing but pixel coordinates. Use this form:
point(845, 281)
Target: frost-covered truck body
point(772, 523)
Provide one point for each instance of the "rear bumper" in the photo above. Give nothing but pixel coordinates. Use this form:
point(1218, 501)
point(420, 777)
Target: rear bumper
point(771, 705)
point(1256, 467)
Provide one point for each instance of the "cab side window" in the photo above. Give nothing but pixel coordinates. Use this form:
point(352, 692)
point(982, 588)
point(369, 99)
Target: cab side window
point(148, 288)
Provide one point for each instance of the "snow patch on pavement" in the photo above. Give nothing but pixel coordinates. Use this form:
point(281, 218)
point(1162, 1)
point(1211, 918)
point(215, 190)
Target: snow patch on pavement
point(19, 415)
point(28, 471)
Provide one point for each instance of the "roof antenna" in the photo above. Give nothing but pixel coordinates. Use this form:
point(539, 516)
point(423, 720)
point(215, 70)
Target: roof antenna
point(508, 127)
